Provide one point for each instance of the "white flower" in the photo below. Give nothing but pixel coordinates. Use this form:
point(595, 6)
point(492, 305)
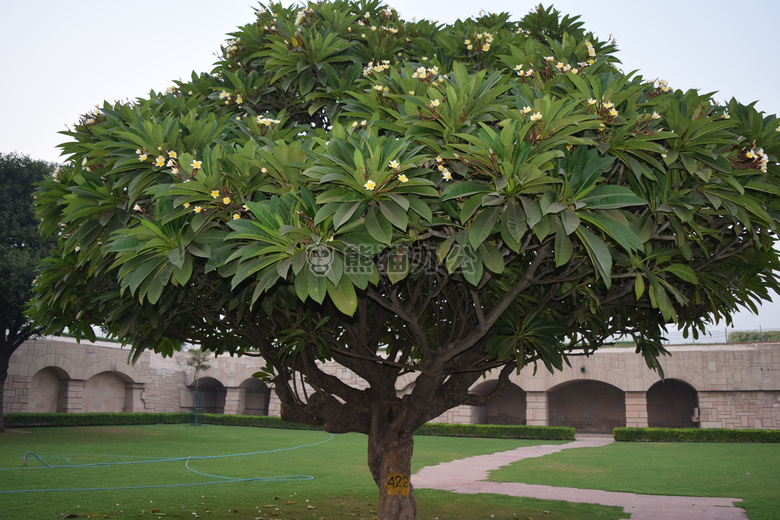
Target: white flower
point(370, 185)
point(536, 117)
point(446, 174)
point(394, 165)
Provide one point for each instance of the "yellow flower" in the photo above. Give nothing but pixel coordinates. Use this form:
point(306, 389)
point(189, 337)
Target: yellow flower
point(536, 117)
point(198, 209)
point(143, 157)
point(591, 101)
point(172, 155)
point(370, 185)
point(434, 103)
point(160, 161)
point(446, 174)
point(196, 164)
point(613, 112)
point(525, 110)
point(215, 193)
point(186, 204)
point(655, 116)
point(137, 208)
point(236, 216)
point(226, 201)
point(394, 165)
point(402, 178)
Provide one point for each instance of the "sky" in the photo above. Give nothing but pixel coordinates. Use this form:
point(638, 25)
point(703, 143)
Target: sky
point(59, 59)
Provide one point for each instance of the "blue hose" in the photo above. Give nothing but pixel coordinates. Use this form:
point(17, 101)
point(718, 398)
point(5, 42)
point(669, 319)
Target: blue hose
point(224, 480)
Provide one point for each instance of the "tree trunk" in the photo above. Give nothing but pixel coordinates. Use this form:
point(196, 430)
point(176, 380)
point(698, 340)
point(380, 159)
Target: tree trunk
point(390, 445)
point(3, 376)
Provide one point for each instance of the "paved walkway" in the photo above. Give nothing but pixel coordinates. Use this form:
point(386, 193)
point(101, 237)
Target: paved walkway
point(470, 476)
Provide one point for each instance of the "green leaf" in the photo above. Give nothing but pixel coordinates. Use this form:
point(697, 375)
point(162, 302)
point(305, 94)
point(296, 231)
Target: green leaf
point(533, 213)
point(394, 213)
point(343, 296)
point(482, 226)
point(491, 257)
point(606, 196)
point(683, 272)
point(599, 254)
point(639, 285)
point(378, 226)
point(343, 213)
point(619, 232)
point(563, 248)
point(460, 189)
point(398, 265)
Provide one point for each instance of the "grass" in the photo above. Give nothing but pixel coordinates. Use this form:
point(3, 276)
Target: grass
point(747, 471)
point(341, 487)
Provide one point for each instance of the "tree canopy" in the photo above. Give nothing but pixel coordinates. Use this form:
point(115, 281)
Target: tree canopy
point(21, 249)
point(408, 199)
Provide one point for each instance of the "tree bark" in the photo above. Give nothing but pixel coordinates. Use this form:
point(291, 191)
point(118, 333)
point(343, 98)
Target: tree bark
point(390, 446)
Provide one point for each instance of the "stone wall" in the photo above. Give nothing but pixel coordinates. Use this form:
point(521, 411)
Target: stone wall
point(726, 386)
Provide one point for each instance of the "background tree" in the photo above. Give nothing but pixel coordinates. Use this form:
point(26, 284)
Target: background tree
point(21, 249)
point(409, 199)
point(198, 359)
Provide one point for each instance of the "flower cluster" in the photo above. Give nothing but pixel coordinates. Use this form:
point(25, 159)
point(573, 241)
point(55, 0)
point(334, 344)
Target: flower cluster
point(229, 98)
point(430, 74)
point(302, 15)
point(482, 42)
point(378, 67)
point(267, 121)
point(591, 49)
point(395, 166)
point(355, 124)
point(524, 73)
point(759, 159)
point(232, 48)
point(445, 172)
point(605, 109)
point(660, 86)
point(91, 117)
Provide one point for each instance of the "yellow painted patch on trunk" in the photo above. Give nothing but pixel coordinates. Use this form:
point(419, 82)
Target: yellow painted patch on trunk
point(397, 484)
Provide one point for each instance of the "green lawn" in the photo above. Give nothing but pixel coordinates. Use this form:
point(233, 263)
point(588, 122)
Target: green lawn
point(747, 471)
point(340, 486)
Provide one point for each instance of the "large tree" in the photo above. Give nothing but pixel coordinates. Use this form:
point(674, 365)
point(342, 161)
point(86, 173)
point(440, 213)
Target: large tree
point(21, 249)
point(409, 199)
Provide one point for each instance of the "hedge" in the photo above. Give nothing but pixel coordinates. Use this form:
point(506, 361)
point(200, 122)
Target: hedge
point(754, 336)
point(29, 420)
point(496, 431)
point(694, 435)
